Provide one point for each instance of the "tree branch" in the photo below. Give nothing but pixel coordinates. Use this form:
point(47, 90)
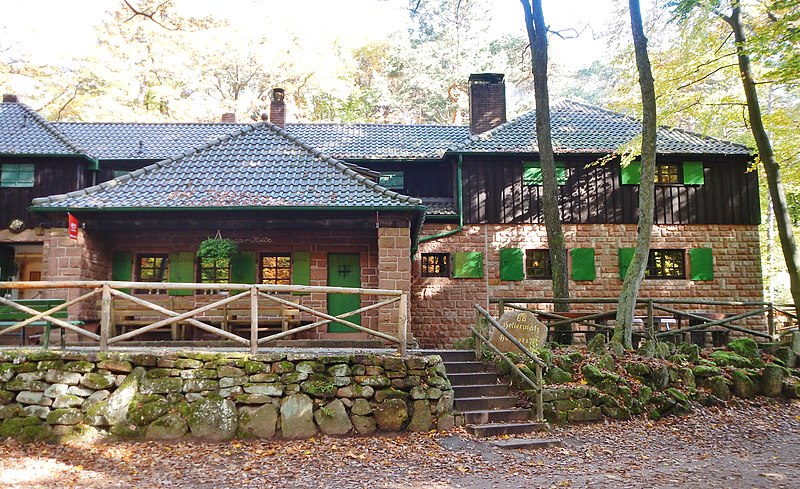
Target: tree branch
point(686, 85)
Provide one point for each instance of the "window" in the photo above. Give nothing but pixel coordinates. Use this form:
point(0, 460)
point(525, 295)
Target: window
point(435, 265)
point(666, 264)
point(394, 180)
point(17, 175)
point(537, 264)
point(532, 173)
point(667, 173)
point(151, 268)
point(215, 270)
point(276, 269)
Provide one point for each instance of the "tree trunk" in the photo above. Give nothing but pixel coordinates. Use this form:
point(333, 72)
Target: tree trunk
point(767, 157)
point(537, 36)
point(633, 278)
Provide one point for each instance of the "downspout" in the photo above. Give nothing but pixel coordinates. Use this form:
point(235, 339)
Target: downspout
point(459, 198)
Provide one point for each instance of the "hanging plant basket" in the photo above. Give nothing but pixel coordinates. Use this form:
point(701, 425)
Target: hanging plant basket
point(217, 248)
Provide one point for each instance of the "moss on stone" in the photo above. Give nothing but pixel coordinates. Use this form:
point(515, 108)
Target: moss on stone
point(730, 359)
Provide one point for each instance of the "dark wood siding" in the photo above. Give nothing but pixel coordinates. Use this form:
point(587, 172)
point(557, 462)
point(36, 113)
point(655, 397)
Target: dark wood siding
point(108, 167)
point(51, 176)
point(422, 178)
point(494, 193)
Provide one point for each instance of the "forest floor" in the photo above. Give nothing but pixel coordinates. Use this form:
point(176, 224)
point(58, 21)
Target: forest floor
point(753, 445)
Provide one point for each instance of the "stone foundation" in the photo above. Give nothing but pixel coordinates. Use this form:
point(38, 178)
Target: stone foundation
point(220, 396)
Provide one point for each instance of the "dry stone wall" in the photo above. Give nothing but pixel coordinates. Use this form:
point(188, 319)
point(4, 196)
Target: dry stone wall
point(219, 396)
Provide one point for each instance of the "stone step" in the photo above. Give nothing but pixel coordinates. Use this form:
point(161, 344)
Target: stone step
point(463, 367)
point(479, 390)
point(527, 443)
point(471, 378)
point(499, 429)
point(449, 355)
point(496, 416)
point(485, 402)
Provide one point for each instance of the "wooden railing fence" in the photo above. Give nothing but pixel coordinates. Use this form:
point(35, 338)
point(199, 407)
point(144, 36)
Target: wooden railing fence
point(106, 291)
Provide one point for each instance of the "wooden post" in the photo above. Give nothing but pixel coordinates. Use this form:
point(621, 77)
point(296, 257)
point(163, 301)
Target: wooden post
point(253, 320)
point(539, 402)
point(402, 329)
point(478, 348)
point(771, 321)
point(105, 317)
point(650, 321)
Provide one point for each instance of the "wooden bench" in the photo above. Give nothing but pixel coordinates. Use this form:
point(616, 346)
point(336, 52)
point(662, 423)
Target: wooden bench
point(233, 317)
point(129, 315)
point(272, 317)
point(560, 334)
point(10, 316)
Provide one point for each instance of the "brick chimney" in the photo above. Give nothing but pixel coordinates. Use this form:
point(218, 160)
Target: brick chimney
point(487, 101)
point(10, 97)
point(228, 117)
point(277, 108)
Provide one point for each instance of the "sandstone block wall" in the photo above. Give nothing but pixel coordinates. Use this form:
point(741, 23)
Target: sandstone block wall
point(443, 307)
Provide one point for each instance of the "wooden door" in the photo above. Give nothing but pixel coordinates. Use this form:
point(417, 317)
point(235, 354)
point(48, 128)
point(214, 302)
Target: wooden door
point(344, 270)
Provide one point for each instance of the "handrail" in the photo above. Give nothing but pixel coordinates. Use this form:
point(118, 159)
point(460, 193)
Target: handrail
point(231, 292)
point(757, 308)
point(540, 365)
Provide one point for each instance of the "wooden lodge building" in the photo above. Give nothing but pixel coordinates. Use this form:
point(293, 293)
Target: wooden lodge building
point(451, 214)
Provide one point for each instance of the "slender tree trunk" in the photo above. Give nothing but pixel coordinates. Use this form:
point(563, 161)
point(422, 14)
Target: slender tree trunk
point(635, 274)
point(537, 36)
point(766, 155)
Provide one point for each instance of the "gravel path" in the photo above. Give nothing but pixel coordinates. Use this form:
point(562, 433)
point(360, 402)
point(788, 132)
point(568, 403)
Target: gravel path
point(754, 445)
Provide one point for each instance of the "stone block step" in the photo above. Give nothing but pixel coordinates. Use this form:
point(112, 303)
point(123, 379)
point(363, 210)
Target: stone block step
point(478, 390)
point(481, 403)
point(471, 378)
point(497, 416)
point(527, 443)
point(463, 367)
point(449, 355)
point(499, 429)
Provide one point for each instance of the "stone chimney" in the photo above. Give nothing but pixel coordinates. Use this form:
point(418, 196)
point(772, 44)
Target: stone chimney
point(228, 117)
point(10, 97)
point(277, 108)
point(487, 101)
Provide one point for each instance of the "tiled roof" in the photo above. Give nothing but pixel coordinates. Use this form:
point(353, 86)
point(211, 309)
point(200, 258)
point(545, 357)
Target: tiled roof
point(151, 141)
point(24, 132)
point(439, 206)
point(258, 166)
point(380, 141)
point(583, 128)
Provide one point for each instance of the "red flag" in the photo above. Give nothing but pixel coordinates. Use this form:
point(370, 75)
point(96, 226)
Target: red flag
point(73, 226)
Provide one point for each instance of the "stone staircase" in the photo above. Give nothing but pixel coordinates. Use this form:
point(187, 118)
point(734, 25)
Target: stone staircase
point(489, 409)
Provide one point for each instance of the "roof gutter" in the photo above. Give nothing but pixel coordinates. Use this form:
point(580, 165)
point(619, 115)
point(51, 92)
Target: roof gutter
point(460, 198)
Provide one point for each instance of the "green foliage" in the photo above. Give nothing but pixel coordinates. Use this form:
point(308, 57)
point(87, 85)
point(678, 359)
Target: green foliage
point(217, 249)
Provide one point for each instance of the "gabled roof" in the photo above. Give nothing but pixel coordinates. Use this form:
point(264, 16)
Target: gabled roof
point(24, 132)
point(148, 141)
point(380, 141)
point(583, 128)
point(258, 166)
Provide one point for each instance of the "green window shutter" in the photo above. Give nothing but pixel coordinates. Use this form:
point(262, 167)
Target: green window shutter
point(468, 264)
point(301, 269)
point(701, 262)
point(122, 268)
point(632, 173)
point(693, 173)
point(243, 268)
point(583, 264)
point(532, 173)
point(625, 258)
point(512, 264)
point(181, 270)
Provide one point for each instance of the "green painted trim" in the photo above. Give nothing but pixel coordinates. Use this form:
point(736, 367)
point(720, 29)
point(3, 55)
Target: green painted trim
point(625, 259)
point(468, 264)
point(409, 208)
point(631, 174)
point(693, 173)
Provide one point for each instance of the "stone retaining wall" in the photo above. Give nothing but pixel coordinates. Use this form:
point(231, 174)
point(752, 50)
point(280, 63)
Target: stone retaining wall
point(219, 396)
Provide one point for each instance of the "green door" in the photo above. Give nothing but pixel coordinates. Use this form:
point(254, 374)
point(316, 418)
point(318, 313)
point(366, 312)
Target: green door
point(344, 270)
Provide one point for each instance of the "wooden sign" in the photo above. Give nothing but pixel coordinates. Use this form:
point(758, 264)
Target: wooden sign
point(523, 326)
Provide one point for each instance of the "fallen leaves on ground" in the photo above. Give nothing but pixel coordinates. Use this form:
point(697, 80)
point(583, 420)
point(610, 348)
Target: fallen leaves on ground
point(753, 445)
